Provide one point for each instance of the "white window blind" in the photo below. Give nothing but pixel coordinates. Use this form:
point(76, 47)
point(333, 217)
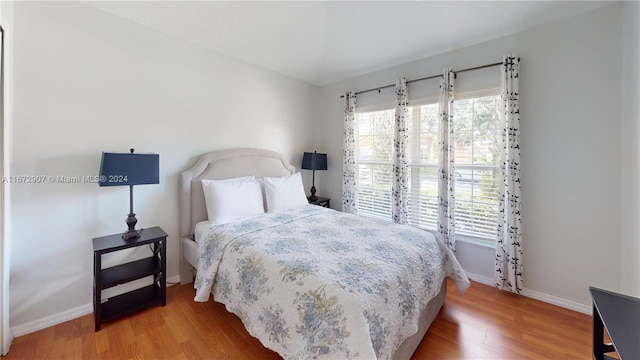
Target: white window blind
point(477, 138)
point(477, 135)
point(375, 131)
point(423, 165)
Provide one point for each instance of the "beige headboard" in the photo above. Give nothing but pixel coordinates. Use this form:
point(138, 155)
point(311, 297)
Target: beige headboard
point(223, 164)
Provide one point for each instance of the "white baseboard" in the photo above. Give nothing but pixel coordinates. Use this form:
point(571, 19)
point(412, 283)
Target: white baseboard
point(537, 295)
point(59, 318)
point(479, 278)
point(174, 280)
point(552, 299)
point(51, 320)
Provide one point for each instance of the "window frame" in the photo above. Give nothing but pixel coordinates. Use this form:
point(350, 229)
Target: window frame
point(476, 239)
point(383, 106)
point(466, 237)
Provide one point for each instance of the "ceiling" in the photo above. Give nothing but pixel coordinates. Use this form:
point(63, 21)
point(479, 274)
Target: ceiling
point(322, 42)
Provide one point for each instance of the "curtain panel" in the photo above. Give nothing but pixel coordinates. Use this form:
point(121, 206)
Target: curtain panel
point(508, 266)
point(399, 198)
point(349, 167)
point(446, 183)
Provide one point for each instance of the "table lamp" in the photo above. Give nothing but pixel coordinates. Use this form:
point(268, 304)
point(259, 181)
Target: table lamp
point(120, 169)
point(314, 161)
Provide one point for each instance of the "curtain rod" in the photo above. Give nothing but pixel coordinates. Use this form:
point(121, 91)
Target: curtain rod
point(425, 78)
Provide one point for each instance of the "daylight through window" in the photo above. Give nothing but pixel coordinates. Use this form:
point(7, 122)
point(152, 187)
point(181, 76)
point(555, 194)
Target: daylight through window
point(476, 148)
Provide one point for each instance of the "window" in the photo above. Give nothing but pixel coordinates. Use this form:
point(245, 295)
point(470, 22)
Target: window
point(477, 135)
point(423, 165)
point(375, 131)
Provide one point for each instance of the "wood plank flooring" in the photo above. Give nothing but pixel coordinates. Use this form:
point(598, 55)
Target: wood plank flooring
point(483, 324)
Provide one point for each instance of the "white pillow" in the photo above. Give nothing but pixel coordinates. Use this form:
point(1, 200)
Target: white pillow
point(284, 192)
point(232, 199)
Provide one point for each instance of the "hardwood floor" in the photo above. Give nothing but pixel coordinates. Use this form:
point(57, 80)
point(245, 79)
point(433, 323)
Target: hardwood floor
point(483, 324)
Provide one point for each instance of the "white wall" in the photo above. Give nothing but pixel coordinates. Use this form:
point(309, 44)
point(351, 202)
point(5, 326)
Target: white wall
point(87, 82)
point(6, 20)
point(630, 258)
point(571, 128)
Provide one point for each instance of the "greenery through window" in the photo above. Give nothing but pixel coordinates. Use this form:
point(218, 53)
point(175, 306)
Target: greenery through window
point(477, 135)
point(375, 161)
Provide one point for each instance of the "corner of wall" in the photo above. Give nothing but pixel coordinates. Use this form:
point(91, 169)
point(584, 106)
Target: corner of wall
point(630, 187)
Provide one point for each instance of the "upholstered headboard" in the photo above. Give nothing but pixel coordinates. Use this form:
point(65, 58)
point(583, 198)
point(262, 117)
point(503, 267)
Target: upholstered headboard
point(223, 164)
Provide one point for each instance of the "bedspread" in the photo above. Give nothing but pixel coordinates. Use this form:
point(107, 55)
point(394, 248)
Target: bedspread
point(312, 282)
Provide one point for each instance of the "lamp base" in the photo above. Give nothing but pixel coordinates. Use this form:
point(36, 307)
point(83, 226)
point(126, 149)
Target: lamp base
point(313, 196)
point(132, 233)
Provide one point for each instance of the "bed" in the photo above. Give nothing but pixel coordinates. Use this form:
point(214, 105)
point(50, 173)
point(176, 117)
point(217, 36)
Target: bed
point(307, 281)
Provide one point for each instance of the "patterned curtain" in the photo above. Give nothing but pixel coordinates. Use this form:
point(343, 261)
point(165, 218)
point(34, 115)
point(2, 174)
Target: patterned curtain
point(446, 183)
point(400, 163)
point(508, 269)
point(349, 168)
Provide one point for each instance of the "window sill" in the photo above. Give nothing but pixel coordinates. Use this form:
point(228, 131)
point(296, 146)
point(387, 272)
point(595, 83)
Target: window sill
point(478, 241)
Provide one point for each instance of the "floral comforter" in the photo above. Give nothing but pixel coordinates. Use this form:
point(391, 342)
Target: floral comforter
point(311, 282)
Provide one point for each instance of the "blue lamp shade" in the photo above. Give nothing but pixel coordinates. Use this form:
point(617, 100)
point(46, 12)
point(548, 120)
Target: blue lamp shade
point(314, 161)
point(119, 169)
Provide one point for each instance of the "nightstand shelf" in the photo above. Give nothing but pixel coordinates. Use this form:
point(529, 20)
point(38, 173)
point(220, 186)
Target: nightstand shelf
point(132, 271)
point(152, 266)
point(321, 201)
point(133, 301)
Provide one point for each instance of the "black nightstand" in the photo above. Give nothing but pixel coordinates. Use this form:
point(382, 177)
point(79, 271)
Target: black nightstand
point(322, 201)
point(155, 265)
